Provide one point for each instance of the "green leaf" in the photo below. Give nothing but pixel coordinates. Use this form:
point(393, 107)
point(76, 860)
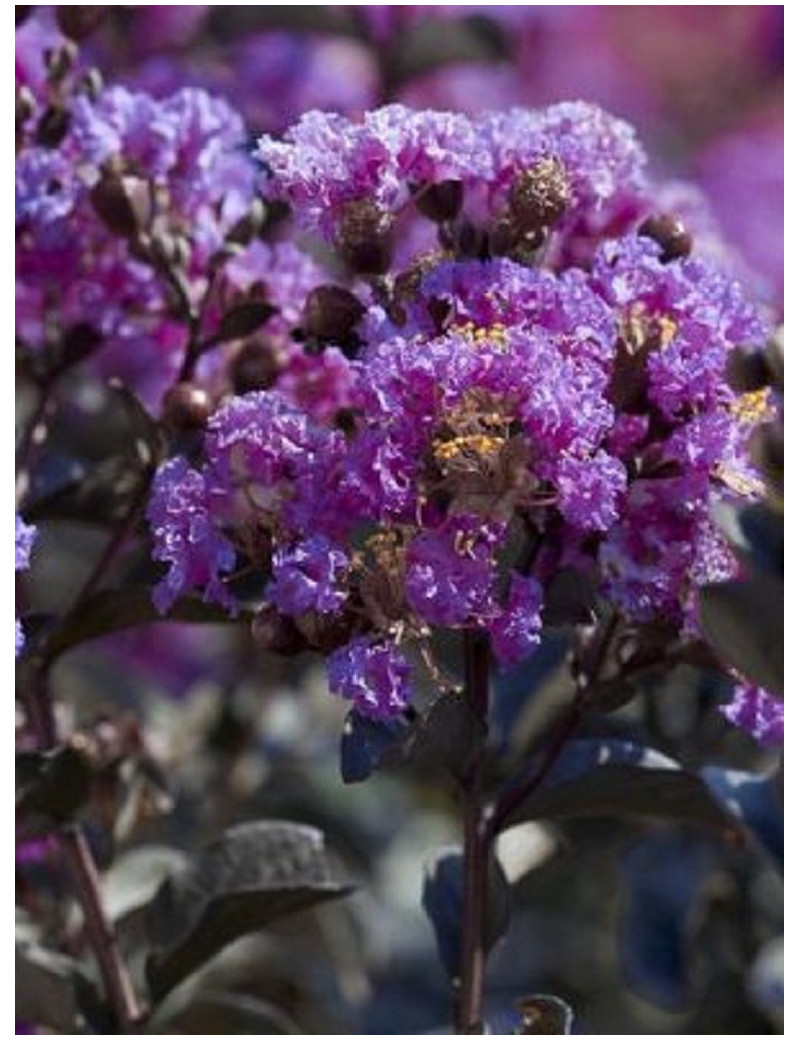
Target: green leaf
point(744, 622)
point(251, 875)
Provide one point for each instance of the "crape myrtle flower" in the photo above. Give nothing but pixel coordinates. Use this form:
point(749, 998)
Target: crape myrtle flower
point(24, 536)
point(757, 712)
point(479, 419)
point(142, 211)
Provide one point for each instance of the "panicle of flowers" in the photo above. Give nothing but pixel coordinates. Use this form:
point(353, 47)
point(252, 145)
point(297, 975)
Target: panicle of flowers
point(139, 222)
point(542, 391)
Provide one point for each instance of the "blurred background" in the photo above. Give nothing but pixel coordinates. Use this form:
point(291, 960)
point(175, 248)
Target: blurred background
point(651, 929)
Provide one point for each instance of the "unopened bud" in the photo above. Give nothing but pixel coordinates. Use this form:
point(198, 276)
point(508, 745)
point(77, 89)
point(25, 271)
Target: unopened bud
point(60, 60)
point(766, 449)
point(124, 204)
point(257, 365)
point(670, 233)
point(79, 22)
point(441, 202)
point(364, 241)
point(186, 406)
point(52, 127)
point(540, 195)
point(331, 313)
point(249, 226)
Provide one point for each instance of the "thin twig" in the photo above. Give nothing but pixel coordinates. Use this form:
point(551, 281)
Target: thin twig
point(525, 785)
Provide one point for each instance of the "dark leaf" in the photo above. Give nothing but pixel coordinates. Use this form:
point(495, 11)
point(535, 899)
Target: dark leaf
point(70, 491)
point(544, 1014)
point(243, 320)
point(364, 744)
point(442, 897)
point(214, 1013)
point(248, 877)
point(663, 876)
point(78, 342)
point(146, 441)
point(50, 989)
point(744, 622)
point(114, 609)
point(447, 736)
point(53, 784)
point(756, 533)
point(753, 799)
point(612, 694)
point(622, 779)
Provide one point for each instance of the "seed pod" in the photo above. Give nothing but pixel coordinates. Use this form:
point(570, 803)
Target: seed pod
point(124, 204)
point(79, 22)
point(257, 365)
point(186, 406)
point(331, 312)
point(53, 126)
point(540, 195)
point(364, 241)
point(670, 233)
point(441, 202)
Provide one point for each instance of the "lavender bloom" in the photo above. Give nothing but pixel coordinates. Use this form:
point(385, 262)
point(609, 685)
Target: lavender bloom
point(374, 676)
point(449, 575)
point(308, 576)
point(186, 538)
point(24, 535)
point(515, 632)
point(757, 712)
point(589, 490)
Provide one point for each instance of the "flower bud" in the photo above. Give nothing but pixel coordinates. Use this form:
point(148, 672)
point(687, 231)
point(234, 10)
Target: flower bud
point(79, 22)
point(670, 233)
point(540, 195)
point(364, 239)
point(257, 365)
point(331, 312)
point(52, 127)
point(186, 406)
point(124, 204)
point(440, 202)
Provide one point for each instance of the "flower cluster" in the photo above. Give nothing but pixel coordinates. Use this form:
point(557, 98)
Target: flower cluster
point(138, 229)
point(548, 400)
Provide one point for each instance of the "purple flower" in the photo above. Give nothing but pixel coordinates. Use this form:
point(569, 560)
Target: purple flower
point(309, 576)
point(589, 490)
point(449, 575)
point(24, 535)
point(757, 712)
point(515, 632)
point(186, 537)
point(375, 676)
